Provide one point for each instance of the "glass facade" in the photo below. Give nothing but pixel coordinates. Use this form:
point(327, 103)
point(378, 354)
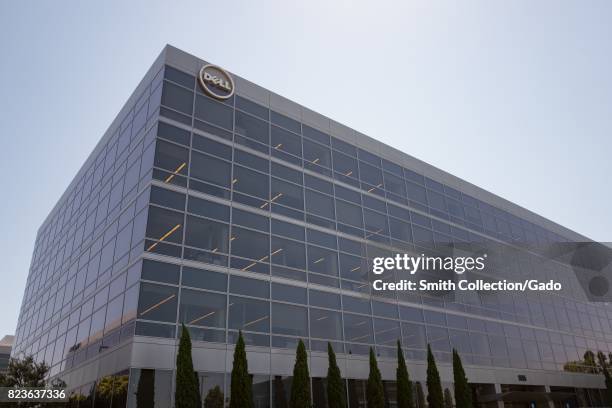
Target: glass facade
point(230, 216)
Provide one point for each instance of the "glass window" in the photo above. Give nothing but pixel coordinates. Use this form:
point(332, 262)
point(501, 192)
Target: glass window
point(322, 260)
point(173, 133)
point(315, 134)
point(286, 229)
point(289, 319)
point(384, 309)
point(250, 287)
point(249, 314)
point(248, 219)
point(325, 324)
point(438, 338)
point(252, 108)
point(353, 267)
point(171, 157)
point(324, 299)
point(370, 174)
point(375, 222)
point(288, 253)
point(210, 169)
point(208, 209)
point(288, 293)
point(165, 225)
point(214, 112)
point(349, 214)
point(177, 98)
point(251, 161)
point(353, 304)
point(167, 198)
point(252, 128)
point(286, 141)
point(319, 204)
point(358, 328)
point(401, 230)
point(179, 77)
point(345, 165)
point(211, 147)
point(199, 278)
point(202, 308)
point(387, 332)
point(286, 122)
point(157, 302)
point(413, 335)
point(395, 185)
point(287, 194)
point(206, 234)
point(160, 271)
point(317, 154)
point(251, 182)
point(416, 193)
point(250, 244)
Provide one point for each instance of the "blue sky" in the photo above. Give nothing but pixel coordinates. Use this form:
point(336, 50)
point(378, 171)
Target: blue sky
point(512, 96)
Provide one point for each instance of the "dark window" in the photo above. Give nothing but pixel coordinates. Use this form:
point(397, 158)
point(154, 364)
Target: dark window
point(160, 272)
point(252, 161)
point(286, 229)
point(353, 304)
point(179, 77)
point(325, 324)
point(375, 222)
point(288, 253)
point(250, 182)
point(287, 194)
point(206, 234)
point(213, 112)
point(252, 128)
point(171, 157)
point(202, 308)
point(349, 214)
point(345, 165)
point(322, 260)
point(249, 314)
point(208, 209)
point(319, 204)
point(252, 107)
point(167, 198)
point(286, 173)
point(369, 157)
point(358, 328)
point(286, 122)
point(250, 244)
point(173, 133)
point(165, 225)
point(157, 302)
point(249, 287)
point(290, 320)
point(288, 293)
point(324, 299)
point(286, 141)
point(370, 174)
point(315, 134)
point(210, 169)
point(344, 147)
point(199, 278)
point(211, 147)
point(248, 219)
point(177, 98)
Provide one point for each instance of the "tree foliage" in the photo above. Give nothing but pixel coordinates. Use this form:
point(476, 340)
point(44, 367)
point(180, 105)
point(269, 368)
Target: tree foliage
point(420, 395)
point(214, 398)
point(404, 385)
point(336, 394)
point(435, 397)
point(448, 398)
point(375, 392)
point(241, 395)
point(187, 390)
point(24, 372)
point(463, 393)
point(300, 387)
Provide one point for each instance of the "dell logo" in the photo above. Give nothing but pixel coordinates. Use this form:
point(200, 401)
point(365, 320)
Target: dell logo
point(216, 82)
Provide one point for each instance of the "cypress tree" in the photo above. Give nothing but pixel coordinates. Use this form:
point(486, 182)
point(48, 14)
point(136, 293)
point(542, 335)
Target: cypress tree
point(187, 393)
point(375, 392)
point(404, 385)
point(336, 394)
point(280, 398)
point(448, 399)
point(420, 395)
point(608, 378)
point(435, 398)
point(463, 393)
point(241, 395)
point(214, 398)
point(300, 387)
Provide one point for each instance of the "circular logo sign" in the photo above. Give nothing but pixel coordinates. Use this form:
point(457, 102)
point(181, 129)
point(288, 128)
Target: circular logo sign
point(216, 82)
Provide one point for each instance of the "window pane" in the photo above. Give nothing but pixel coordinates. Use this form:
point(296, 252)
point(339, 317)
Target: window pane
point(171, 157)
point(177, 98)
point(250, 244)
point(210, 169)
point(250, 287)
point(317, 154)
point(325, 324)
point(288, 293)
point(206, 234)
point(252, 128)
point(202, 308)
point(289, 319)
point(165, 225)
point(160, 272)
point(319, 204)
point(157, 302)
point(286, 141)
point(288, 253)
point(349, 214)
point(199, 278)
point(249, 314)
point(322, 260)
point(251, 182)
point(287, 194)
point(214, 112)
point(358, 328)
